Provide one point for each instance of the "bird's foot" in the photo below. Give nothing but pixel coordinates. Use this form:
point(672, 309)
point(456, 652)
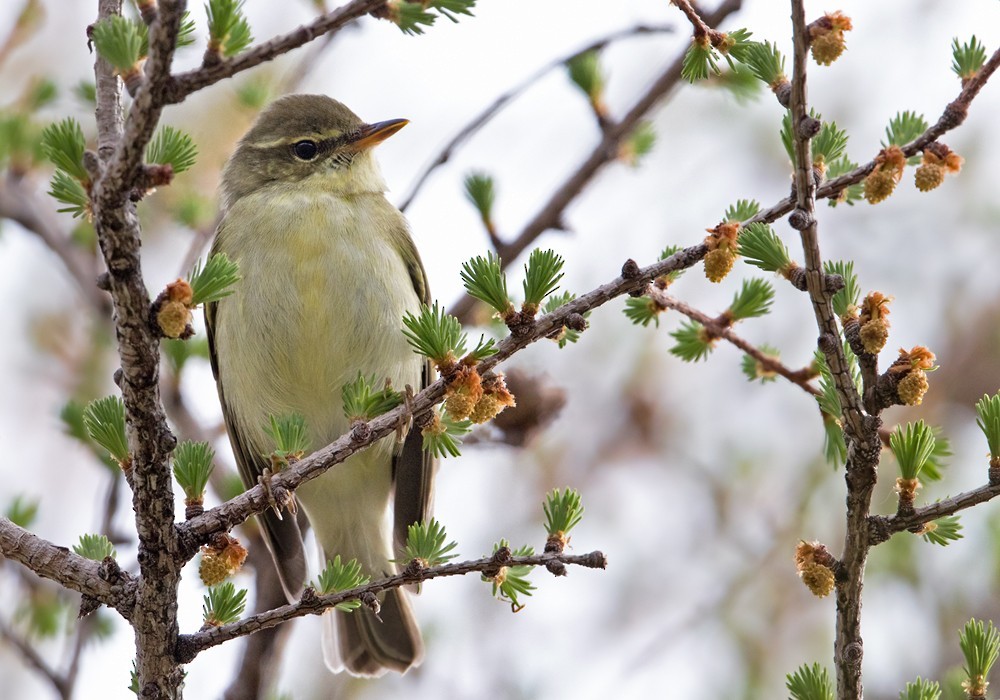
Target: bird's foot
point(278, 497)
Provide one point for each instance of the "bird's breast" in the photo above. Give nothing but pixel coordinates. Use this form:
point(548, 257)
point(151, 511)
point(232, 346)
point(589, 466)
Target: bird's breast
point(323, 294)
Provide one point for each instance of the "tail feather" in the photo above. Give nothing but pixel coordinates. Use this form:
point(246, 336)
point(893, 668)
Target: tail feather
point(366, 645)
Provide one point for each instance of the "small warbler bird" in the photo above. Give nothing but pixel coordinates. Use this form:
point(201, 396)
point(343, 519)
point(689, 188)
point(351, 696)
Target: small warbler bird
point(328, 271)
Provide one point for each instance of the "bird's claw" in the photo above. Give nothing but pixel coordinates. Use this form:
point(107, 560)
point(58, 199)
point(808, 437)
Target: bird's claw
point(405, 420)
point(277, 497)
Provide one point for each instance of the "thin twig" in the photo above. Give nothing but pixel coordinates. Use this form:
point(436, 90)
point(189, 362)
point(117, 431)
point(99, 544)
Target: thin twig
point(953, 115)
point(701, 28)
point(189, 646)
point(861, 430)
point(484, 117)
point(550, 216)
point(884, 526)
point(20, 203)
point(196, 531)
point(66, 568)
point(35, 660)
point(800, 377)
point(180, 86)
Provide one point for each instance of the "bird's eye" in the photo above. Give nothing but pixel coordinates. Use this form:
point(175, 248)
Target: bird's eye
point(305, 150)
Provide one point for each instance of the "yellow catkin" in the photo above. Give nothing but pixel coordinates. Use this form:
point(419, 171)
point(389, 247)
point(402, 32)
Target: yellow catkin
point(874, 335)
point(879, 184)
point(928, 176)
point(818, 579)
point(912, 388)
point(827, 47)
point(213, 569)
point(173, 318)
point(826, 36)
point(464, 392)
point(718, 264)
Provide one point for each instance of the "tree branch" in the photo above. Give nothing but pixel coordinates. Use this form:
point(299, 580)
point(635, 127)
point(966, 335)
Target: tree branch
point(484, 117)
point(196, 531)
point(801, 377)
point(121, 146)
point(21, 204)
point(804, 128)
point(952, 116)
point(862, 431)
point(180, 86)
point(884, 526)
point(66, 568)
point(550, 215)
point(35, 660)
point(189, 646)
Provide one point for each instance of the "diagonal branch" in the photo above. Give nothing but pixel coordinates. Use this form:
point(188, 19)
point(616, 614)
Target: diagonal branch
point(35, 660)
point(801, 377)
point(551, 213)
point(882, 527)
point(21, 204)
point(954, 115)
point(66, 568)
point(484, 117)
point(178, 87)
point(196, 531)
point(190, 645)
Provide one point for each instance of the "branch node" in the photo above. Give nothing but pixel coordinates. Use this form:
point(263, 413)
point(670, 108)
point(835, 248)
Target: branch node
point(556, 568)
point(414, 568)
point(185, 650)
point(993, 473)
point(576, 322)
point(853, 653)
point(309, 597)
point(954, 114)
point(88, 605)
point(630, 270)
point(878, 530)
point(833, 284)
point(784, 94)
point(92, 164)
point(809, 127)
point(360, 431)
point(500, 559)
point(800, 220)
point(827, 343)
point(595, 560)
point(797, 278)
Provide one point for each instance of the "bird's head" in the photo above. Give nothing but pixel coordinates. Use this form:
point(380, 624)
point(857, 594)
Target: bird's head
point(306, 141)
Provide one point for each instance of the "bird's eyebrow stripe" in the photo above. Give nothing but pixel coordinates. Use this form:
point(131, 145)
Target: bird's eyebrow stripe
point(330, 139)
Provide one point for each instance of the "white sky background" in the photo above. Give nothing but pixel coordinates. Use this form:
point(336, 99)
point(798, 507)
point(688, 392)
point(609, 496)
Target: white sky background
point(627, 631)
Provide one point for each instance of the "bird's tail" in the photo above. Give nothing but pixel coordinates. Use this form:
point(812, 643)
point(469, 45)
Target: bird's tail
point(366, 645)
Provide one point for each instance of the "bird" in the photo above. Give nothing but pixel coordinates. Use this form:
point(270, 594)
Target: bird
point(328, 270)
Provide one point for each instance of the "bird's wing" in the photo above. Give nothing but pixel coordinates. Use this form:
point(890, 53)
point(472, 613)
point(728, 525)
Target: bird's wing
point(413, 467)
point(281, 535)
point(413, 470)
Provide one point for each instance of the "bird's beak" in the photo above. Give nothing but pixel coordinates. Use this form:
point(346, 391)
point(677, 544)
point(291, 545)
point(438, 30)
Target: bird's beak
point(371, 135)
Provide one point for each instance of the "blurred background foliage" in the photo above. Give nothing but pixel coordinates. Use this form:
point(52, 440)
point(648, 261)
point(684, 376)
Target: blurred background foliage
point(697, 483)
